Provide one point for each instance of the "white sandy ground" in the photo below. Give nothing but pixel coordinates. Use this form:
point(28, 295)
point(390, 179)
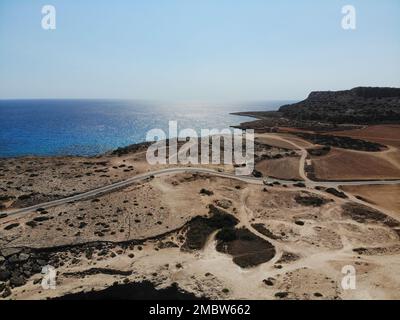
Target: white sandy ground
point(323, 245)
point(322, 254)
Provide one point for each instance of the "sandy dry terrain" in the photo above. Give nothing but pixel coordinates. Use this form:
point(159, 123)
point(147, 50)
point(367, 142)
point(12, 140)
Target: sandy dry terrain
point(312, 243)
point(384, 196)
point(286, 168)
point(340, 164)
point(32, 180)
point(384, 134)
point(184, 228)
point(269, 139)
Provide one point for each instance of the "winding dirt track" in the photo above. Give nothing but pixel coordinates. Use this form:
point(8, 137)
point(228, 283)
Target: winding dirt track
point(247, 179)
point(149, 175)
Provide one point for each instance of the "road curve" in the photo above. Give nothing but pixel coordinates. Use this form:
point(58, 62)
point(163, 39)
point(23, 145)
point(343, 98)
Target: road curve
point(303, 156)
point(147, 175)
point(130, 181)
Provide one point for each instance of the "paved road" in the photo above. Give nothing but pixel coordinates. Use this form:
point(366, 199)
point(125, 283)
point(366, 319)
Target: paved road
point(127, 182)
point(147, 175)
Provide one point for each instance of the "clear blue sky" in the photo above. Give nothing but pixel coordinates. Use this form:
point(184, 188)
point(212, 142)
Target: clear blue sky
point(203, 50)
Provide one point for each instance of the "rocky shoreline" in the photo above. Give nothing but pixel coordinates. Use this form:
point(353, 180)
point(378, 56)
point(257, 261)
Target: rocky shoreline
point(331, 111)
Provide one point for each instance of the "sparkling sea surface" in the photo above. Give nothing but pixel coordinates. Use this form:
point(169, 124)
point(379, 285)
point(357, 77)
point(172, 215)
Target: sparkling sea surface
point(91, 127)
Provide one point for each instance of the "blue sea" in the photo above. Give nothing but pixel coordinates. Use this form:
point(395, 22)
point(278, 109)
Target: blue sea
point(91, 127)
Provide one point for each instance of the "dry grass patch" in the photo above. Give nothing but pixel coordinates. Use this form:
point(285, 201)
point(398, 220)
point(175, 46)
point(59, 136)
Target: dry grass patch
point(342, 164)
point(385, 196)
point(285, 168)
point(384, 134)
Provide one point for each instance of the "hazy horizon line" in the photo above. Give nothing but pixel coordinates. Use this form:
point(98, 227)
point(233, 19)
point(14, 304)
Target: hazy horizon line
point(156, 100)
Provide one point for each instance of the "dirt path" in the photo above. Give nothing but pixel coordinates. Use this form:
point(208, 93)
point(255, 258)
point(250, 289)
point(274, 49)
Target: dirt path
point(244, 214)
point(303, 156)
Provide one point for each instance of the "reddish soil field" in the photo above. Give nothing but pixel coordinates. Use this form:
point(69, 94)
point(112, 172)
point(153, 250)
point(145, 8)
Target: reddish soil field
point(386, 196)
point(384, 134)
point(342, 164)
point(286, 168)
